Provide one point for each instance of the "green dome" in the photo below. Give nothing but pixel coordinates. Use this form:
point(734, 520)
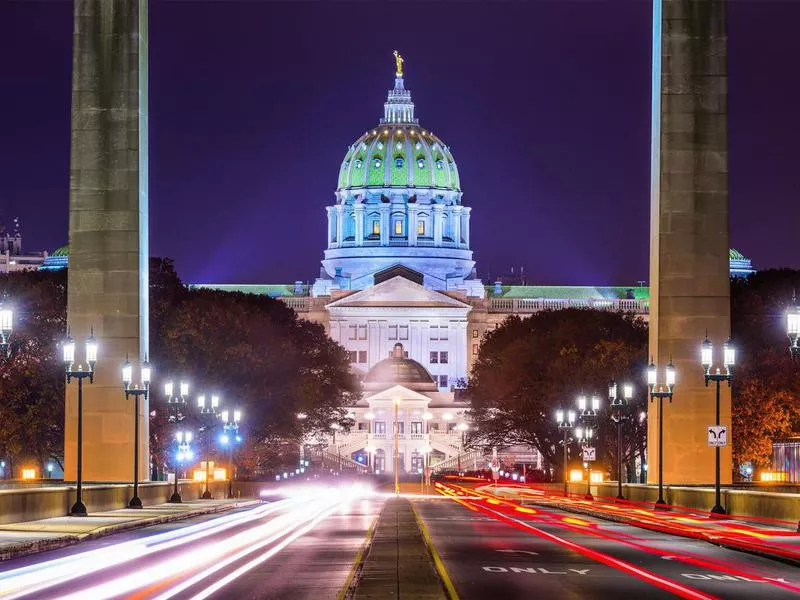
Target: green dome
point(62, 251)
point(399, 155)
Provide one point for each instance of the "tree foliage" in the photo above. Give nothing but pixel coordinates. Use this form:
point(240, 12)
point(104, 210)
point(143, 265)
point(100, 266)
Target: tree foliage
point(257, 354)
point(766, 385)
point(529, 367)
point(32, 378)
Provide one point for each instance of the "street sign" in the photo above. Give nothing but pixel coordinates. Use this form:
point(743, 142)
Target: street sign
point(589, 454)
point(717, 436)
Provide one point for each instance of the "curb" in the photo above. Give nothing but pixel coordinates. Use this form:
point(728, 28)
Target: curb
point(670, 531)
point(351, 583)
point(12, 551)
point(449, 588)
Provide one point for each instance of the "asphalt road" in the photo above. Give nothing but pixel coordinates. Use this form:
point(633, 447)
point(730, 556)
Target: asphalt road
point(296, 548)
point(499, 552)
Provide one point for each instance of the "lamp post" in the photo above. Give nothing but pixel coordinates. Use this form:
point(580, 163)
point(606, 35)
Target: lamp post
point(619, 404)
point(230, 420)
point(208, 413)
point(793, 327)
point(6, 327)
point(136, 391)
point(565, 425)
point(585, 435)
point(728, 360)
point(176, 403)
point(183, 452)
point(462, 427)
point(80, 373)
point(334, 428)
point(661, 392)
point(396, 405)
point(588, 411)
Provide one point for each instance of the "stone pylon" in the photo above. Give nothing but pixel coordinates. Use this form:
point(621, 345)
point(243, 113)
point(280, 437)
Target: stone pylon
point(108, 245)
point(689, 278)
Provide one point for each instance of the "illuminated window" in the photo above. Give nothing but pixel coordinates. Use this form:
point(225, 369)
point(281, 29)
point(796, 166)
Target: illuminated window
point(474, 349)
point(442, 381)
point(399, 162)
point(434, 358)
point(443, 358)
point(398, 228)
point(474, 333)
point(420, 163)
point(421, 228)
point(376, 228)
point(377, 163)
point(358, 163)
point(440, 164)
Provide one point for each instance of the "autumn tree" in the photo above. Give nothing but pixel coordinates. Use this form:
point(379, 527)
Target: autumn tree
point(32, 377)
point(529, 367)
point(766, 384)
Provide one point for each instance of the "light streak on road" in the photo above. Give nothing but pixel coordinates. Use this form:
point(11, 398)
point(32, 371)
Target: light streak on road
point(169, 563)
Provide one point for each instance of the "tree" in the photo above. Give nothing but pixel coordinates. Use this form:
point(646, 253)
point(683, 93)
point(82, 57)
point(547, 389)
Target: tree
point(257, 354)
point(529, 367)
point(766, 384)
point(32, 378)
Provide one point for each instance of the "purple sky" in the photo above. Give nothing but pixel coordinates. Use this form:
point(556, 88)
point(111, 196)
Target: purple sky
point(545, 106)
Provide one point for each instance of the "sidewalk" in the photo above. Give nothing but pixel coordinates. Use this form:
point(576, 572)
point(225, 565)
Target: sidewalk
point(20, 539)
point(771, 540)
point(397, 564)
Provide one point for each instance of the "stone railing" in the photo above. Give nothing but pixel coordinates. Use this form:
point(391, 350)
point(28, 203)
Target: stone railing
point(532, 305)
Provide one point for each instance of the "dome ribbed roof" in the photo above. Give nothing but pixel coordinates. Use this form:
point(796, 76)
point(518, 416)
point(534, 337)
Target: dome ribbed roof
point(398, 152)
point(398, 370)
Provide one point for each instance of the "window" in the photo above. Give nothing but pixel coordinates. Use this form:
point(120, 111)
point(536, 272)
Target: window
point(401, 427)
point(403, 332)
point(443, 332)
point(353, 356)
point(362, 356)
point(358, 163)
point(416, 427)
point(392, 332)
point(443, 358)
point(363, 426)
point(474, 349)
point(420, 227)
point(398, 228)
point(440, 164)
point(362, 332)
point(377, 163)
point(353, 330)
point(379, 427)
point(442, 381)
point(434, 358)
point(398, 162)
point(376, 228)
point(474, 333)
point(420, 162)
point(434, 332)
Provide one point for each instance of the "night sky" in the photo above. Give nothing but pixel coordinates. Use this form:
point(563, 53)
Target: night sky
point(545, 106)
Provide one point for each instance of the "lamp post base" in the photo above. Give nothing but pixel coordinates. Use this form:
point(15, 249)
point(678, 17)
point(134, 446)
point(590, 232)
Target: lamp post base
point(78, 510)
point(588, 497)
point(135, 502)
point(718, 510)
point(620, 498)
point(206, 495)
point(661, 505)
point(175, 498)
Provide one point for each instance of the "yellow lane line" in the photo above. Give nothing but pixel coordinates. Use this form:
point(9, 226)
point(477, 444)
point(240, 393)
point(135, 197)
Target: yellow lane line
point(343, 593)
point(448, 583)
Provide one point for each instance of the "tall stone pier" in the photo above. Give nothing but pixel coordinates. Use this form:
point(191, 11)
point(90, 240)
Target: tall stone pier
point(689, 279)
point(108, 254)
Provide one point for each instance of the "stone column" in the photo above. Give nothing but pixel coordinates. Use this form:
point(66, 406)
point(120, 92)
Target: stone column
point(108, 238)
point(331, 231)
point(339, 224)
point(438, 215)
point(412, 224)
point(385, 224)
point(465, 231)
point(457, 225)
point(689, 277)
point(358, 215)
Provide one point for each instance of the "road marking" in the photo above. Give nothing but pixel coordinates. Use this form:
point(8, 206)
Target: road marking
point(531, 552)
point(437, 561)
point(533, 570)
point(737, 578)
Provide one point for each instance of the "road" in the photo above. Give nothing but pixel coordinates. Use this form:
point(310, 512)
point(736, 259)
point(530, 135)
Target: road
point(495, 550)
point(298, 547)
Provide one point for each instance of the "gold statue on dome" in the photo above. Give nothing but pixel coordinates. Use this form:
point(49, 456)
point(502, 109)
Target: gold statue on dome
point(399, 60)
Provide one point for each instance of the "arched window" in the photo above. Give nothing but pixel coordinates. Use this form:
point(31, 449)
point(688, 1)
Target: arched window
point(376, 227)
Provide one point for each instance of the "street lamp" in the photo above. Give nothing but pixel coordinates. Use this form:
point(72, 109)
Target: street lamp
point(136, 391)
point(661, 392)
point(230, 420)
point(80, 373)
point(6, 327)
point(588, 408)
point(584, 436)
point(728, 360)
point(208, 413)
point(619, 404)
point(565, 425)
point(184, 452)
point(793, 327)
